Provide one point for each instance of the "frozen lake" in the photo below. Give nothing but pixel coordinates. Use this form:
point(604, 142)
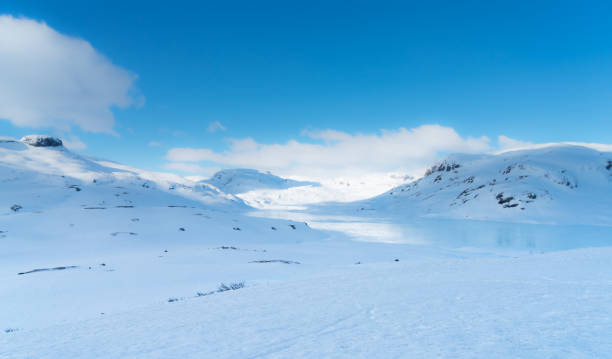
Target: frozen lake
point(454, 233)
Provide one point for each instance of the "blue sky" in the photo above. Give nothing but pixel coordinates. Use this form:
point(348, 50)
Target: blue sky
point(274, 71)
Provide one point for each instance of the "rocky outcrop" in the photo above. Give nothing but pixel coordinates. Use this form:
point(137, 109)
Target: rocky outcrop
point(42, 141)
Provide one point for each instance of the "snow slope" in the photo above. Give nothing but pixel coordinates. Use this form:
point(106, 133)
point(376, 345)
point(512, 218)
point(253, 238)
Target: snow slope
point(554, 184)
point(554, 305)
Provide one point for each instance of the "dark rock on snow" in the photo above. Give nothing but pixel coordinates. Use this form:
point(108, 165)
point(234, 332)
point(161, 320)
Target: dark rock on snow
point(42, 141)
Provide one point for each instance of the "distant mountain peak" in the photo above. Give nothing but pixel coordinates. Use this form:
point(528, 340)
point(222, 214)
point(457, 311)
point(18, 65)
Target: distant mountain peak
point(241, 180)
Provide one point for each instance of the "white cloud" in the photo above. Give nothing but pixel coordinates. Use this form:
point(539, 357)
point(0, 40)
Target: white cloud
point(74, 143)
point(191, 168)
point(506, 143)
point(215, 126)
point(54, 80)
point(327, 135)
point(154, 144)
point(340, 154)
point(197, 178)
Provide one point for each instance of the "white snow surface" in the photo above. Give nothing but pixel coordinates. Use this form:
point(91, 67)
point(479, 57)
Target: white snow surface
point(327, 190)
point(547, 306)
point(267, 191)
point(131, 266)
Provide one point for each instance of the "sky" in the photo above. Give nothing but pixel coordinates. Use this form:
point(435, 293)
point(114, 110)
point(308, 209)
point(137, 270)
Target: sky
point(317, 88)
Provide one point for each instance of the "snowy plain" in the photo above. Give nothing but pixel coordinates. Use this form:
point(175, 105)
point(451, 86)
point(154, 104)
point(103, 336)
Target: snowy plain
point(132, 265)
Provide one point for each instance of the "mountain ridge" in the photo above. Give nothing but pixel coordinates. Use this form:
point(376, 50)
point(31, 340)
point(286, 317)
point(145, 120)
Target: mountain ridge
point(38, 170)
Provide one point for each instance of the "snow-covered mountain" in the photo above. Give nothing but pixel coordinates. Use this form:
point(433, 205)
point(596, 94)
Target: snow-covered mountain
point(554, 184)
point(37, 171)
point(242, 180)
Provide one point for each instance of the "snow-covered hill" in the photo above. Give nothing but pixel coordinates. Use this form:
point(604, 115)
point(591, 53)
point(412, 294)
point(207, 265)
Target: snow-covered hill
point(241, 180)
point(555, 184)
point(38, 172)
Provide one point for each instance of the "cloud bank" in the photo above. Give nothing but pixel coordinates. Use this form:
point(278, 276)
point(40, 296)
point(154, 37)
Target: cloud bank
point(506, 143)
point(53, 80)
point(332, 153)
point(74, 143)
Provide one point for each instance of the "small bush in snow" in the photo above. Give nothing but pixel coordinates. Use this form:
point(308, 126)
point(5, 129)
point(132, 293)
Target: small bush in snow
point(231, 286)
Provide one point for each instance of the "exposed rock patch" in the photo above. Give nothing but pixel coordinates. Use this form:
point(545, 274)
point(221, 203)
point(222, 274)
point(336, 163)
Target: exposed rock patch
point(47, 269)
point(42, 141)
point(275, 261)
